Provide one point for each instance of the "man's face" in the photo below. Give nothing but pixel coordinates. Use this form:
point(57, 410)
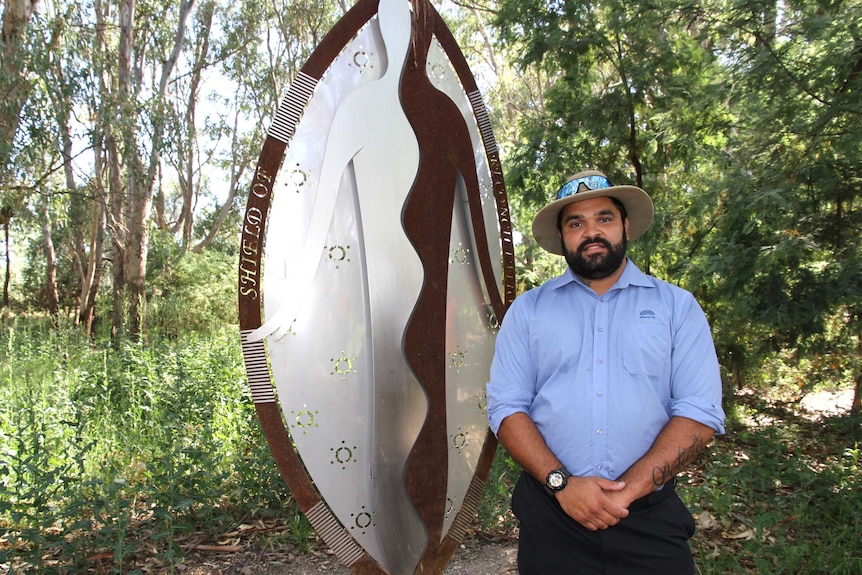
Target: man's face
point(593, 234)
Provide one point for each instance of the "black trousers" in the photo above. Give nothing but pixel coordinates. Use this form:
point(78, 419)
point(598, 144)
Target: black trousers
point(652, 540)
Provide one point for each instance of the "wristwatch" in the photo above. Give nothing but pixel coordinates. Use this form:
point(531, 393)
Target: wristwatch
point(556, 480)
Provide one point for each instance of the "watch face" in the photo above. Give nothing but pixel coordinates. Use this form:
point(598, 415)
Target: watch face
point(555, 479)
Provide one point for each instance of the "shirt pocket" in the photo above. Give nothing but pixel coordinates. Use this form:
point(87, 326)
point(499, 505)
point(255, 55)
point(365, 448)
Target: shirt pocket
point(646, 349)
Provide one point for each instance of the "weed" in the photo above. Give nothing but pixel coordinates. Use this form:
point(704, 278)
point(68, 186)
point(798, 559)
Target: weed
point(108, 450)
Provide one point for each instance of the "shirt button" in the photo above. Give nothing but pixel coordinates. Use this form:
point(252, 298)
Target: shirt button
point(601, 329)
point(599, 431)
point(601, 360)
point(600, 467)
point(601, 394)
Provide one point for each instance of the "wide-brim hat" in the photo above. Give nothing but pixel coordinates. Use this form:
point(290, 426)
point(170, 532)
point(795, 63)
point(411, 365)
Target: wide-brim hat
point(583, 186)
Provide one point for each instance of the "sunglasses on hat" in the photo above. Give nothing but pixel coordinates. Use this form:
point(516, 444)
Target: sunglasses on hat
point(571, 187)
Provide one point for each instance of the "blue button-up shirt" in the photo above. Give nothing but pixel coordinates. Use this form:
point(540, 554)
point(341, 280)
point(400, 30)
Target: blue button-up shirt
point(602, 375)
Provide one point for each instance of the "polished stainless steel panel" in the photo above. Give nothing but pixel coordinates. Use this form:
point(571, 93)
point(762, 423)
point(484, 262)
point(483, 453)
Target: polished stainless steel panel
point(341, 280)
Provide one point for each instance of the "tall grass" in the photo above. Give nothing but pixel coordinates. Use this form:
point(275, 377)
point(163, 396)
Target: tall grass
point(106, 450)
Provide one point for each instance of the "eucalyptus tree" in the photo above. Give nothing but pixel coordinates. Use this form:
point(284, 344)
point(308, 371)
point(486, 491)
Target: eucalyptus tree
point(183, 156)
point(15, 82)
point(158, 100)
point(15, 72)
point(257, 52)
point(39, 178)
point(65, 81)
point(101, 69)
point(112, 64)
point(150, 41)
point(60, 73)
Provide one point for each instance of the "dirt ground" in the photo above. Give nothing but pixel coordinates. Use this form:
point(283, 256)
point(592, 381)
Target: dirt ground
point(476, 557)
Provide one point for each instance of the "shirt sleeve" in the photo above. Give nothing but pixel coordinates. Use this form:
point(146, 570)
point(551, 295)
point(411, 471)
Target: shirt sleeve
point(511, 388)
point(696, 376)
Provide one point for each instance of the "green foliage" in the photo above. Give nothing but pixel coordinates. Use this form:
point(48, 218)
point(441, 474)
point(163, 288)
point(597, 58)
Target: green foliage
point(777, 495)
point(190, 291)
point(743, 122)
point(494, 511)
point(782, 264)
point(116, 450)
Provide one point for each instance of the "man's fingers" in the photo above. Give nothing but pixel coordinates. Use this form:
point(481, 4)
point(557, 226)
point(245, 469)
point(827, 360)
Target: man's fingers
point(608, 485)
point(596, 524)
point(596, 518)
point(588, 501)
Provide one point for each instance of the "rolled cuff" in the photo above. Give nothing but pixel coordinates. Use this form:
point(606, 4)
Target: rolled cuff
point(709, 414)
point(496, 416)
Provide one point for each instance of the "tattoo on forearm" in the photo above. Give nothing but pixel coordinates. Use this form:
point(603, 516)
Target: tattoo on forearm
point(686, 455)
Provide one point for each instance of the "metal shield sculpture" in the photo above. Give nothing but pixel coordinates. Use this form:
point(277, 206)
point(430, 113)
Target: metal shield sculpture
point(388, 263)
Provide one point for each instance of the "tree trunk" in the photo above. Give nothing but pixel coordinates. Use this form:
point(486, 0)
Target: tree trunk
point(14, 84)
point(135, 264)
point(50, 264)
point(222, 215)
point(61, 106)
point(108, 162)
point(856, 407)
point(90, 272)
point(5, 216)
point(188, 174)
point(89, 261)
point(237, 168)
point(118, 239)
point(140, 182)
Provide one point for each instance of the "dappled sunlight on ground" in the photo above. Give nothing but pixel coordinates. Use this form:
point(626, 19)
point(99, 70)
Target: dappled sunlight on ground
point(826, 403)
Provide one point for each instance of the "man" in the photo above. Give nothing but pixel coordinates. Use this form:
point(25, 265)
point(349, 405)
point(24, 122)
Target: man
point(604, 385)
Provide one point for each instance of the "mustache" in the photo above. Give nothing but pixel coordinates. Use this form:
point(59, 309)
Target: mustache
point(589, 241)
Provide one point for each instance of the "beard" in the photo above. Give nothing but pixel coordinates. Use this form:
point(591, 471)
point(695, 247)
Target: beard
point(596, 266)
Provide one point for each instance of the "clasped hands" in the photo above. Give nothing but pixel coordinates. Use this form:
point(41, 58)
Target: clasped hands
point(595, 502)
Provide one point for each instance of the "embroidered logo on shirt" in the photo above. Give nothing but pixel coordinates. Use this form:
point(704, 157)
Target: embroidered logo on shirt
point(647, 314)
